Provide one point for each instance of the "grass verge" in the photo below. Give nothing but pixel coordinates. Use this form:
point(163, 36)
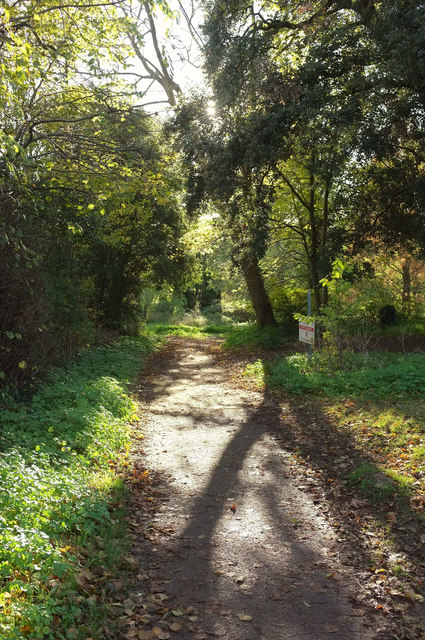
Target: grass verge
point(379, 400)
point(61, 537)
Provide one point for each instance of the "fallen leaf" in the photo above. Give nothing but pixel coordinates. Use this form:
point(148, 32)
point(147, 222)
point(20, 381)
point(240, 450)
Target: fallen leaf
point(329, 628)
point(191, 609)
point(244, 617)
point(142, 576)
point(160, 633)
point(158, 597)
point(178, 612)
point(175, 626)
point(417, 597)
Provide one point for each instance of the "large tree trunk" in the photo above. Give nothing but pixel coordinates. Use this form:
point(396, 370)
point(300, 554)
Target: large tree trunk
point(257, 292)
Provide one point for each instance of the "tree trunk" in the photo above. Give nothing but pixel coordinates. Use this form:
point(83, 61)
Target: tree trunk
point(406, 286)
point(314, 250)
point(257, 292)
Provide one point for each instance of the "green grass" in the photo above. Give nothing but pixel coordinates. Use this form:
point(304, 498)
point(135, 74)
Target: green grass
point(379, 399)
point(251, 337)
point(185, 331)
point(378, 486)
point(379, 375)
point(58, 453)
point(237, 336)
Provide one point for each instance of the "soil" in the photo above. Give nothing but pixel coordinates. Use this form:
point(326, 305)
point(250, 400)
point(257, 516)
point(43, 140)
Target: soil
point(233, 536)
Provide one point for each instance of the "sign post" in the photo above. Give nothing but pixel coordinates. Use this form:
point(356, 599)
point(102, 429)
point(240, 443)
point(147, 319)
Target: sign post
point(306, 329)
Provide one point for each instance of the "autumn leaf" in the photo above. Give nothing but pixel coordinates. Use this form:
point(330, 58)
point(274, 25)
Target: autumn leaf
point(160, 633)
point(244, 617)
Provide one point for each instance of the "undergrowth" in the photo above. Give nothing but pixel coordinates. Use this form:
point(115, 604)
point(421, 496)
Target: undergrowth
point(58, 458)
point(252, 337)
point(379, 374)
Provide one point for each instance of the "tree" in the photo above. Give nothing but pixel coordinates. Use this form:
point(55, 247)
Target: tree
point(82, 167)
point(217, 173)
point(321, 93)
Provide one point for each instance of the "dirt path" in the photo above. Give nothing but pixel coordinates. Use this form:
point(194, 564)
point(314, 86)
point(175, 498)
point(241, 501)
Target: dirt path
point(238, 546)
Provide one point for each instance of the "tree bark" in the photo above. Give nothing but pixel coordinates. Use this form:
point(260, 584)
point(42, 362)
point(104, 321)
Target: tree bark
point(257, 292)
point(406, 285)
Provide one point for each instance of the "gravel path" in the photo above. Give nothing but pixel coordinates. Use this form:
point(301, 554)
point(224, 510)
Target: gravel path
point(240, 547)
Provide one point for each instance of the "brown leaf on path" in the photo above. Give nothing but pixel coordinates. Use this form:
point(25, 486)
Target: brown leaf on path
point(175, 626)
point(244, 617)
point(161, 634)
point(142, 576)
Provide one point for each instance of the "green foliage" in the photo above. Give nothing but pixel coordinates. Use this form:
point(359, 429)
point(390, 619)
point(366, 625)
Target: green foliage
point(369, 480)
point(379, 374)
point(185, 331)
point(405, 326)
point(89, 196)
point(55, 467)
point(252, 337)
point(287, 301)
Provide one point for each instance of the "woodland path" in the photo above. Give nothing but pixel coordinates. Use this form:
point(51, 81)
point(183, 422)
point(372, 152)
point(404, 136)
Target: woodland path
point(235, 542)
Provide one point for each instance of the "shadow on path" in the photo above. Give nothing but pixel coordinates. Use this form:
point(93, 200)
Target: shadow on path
point(271, 566)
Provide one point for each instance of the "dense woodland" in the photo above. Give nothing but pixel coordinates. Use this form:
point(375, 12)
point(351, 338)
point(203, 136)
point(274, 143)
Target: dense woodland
point(304, 149)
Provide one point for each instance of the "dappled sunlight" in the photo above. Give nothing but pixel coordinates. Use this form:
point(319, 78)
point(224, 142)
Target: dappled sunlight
point(248, 529)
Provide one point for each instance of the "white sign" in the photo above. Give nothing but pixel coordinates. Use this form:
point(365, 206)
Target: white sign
point(306, 332)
